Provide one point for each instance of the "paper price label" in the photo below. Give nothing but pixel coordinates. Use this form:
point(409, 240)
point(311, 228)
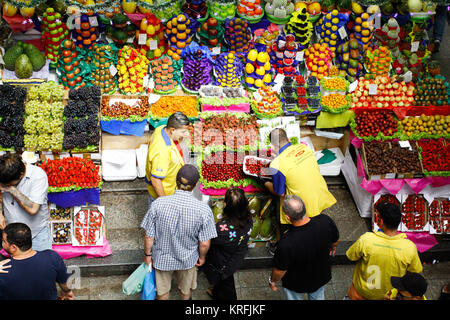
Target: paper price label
point(299, 56)
point(407, 76)
point(257, 96)
point(113, 70)
point(373, 88)
point(342, 32)
point(405, 144)
point(415, 46)
point(216, 50)
point(279, 78)
point(151, 84)
point(142, 40)
point(77, 22)
point(153, 45)
point(389, 176)
point(281, 43)
point(130, 40)
point(70, 22)
point(377, 22)
point(352, 87)
point(145, 81)
point(93, 21)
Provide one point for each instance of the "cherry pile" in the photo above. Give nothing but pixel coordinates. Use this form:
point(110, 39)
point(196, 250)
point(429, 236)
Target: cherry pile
point(370, 123)
point(221, 166)
point(383, 198)
point(255, 166)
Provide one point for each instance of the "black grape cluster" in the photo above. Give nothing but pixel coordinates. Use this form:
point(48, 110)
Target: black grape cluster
point(81, 127)
point(12, 109)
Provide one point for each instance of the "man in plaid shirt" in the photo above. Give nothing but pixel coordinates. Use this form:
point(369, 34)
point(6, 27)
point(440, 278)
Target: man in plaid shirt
point(178, 230)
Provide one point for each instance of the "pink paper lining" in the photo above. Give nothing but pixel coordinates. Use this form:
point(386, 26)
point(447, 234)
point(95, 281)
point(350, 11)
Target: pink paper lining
point(67, 251)
point(221, 192)
point(242, 107)
point(395, 185)
point(423, 240)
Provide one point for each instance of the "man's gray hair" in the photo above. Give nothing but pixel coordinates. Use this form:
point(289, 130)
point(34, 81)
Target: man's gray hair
point(294, 207)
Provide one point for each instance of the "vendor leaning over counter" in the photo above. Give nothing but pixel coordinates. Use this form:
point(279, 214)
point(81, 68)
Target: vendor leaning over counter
point(295, 172)
point(165, 157)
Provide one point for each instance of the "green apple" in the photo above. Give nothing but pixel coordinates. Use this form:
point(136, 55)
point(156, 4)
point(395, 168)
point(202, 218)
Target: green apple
point(51, 18)
point(54, 31)
point(50, 56)
point(58, 15)
point(52, 26)
point(60, 30)
point(50, 10)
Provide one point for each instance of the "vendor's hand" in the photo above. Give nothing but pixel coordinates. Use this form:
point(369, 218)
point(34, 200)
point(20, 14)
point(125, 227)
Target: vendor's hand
point(201, 261)
point(148, 260)
point(67, 295)
point(5, 188)
point(3, 267)
point(273, 286)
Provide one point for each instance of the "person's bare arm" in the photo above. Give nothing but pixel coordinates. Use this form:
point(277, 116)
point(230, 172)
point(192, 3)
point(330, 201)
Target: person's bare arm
point(269, 186)
point(148, 245)
point(333, 248)
point(276, 276)
point(203, 248)
point(157, 185)
point(28, 205)
point(67, 293)
point(2, 217)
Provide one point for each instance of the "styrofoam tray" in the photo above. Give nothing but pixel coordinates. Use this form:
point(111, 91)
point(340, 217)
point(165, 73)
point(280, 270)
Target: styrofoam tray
point(252, 157)
point(112, 170)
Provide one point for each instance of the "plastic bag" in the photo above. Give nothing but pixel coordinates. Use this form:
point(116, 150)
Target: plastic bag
point(135, 281)
point(149, 286)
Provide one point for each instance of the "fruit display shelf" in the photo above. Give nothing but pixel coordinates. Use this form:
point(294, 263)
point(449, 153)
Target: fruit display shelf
point(435, 156)
point(161, 109)
point(224, 99)
point(371, 125)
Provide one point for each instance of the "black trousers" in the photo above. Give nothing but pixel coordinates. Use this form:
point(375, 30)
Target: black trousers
point(225, 289)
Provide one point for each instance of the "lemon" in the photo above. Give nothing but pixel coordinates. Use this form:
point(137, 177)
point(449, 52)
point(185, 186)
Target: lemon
point(249, 68)
point(258, 83)
point(334, 12)
point(260, 71)
point(267, 78)
point(249, 80)
point(334, 28)
point(252, 55)
point(335, 20)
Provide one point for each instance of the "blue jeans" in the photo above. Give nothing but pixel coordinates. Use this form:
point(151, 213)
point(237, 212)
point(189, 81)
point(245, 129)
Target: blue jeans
point(43, 240)
point(319, 294)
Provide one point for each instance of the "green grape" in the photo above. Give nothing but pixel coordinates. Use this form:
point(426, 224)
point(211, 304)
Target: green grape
point(33, 93)
point(30, 124)
point(56, 141)
point(30, 141)
point(57, 110)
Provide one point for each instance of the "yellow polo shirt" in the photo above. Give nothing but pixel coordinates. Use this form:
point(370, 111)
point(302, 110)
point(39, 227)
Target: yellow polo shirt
point(163, 161)
point(381, 257)
point(295, 172)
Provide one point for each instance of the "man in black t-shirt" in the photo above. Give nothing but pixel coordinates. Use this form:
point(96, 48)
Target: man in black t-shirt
point(302, 258)
point(33, 274)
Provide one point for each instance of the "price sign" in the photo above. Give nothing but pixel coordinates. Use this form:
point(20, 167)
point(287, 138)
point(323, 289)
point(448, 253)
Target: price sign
point(216, 50)
point(93, 21)
point(373, 88)
point(145, 81)
point(153, 45)
point(113, 70)
point(279, 78)
point(415, 46)
point(405, 144)
point(151, 84)
point(407, 76)
point(77, 22)
point(342, 32)
point(299, 55)
point(70, 22)
point(142, 40)
point(130, 40)
point(352, 87)
point(257, 96)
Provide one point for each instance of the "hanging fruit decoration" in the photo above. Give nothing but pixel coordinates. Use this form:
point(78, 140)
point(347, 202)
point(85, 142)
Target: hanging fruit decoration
point(103, 57)
point(179, 31)
point(210, 33)
point(300, 26)
point(283, 55)
point(72, 70)
point(238, 35)
point(258, 70)
point(54, 31)
point(132, 69)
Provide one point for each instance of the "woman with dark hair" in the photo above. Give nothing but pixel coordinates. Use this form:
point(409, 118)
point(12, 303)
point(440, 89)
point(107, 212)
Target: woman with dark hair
point(228, 250)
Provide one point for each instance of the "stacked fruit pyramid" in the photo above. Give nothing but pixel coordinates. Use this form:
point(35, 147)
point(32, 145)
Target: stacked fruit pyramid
point(258, 68)
point(197, 67)
point(103, 57)
point(328, 27)
point(348, 57)
point(300, 25)
point(120, 28)
point(54, 31)
point(283, 55)
point(228, 70)
point(237, 35)
point(179, 31)
point(363, 31)
point(210, 33)
point(165, 75)
point(132, 69)
point(154, 30)
point(250, 10)
point(86, 34)
point(72, 70)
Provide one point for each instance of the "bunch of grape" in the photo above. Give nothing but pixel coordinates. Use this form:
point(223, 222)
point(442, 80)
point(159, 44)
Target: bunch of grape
point(44, 114)
point(12, 111)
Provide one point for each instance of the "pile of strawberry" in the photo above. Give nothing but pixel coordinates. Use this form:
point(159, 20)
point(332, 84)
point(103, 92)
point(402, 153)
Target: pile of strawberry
point(71, 174)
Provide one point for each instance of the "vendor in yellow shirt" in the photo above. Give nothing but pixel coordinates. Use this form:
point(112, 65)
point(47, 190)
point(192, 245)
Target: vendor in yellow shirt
point(381, 255)
point(295, 171)
point(164, 157)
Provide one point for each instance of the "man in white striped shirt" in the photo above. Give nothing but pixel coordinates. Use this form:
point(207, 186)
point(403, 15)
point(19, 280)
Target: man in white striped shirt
point(178, 232)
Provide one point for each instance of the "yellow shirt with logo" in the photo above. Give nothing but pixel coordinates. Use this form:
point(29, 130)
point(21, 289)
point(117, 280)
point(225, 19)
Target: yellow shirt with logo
point(381, 257)
point(163, 162)
point(296, 172)
point(392, 295)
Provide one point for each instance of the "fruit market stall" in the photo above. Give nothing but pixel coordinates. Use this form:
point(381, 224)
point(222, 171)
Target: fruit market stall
point(86, 83)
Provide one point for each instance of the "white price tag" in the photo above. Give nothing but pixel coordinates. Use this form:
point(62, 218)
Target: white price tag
point(93, 21)
point(142, 40)
point(130, 40)
point(373, 88)
point(70, 22)
point(279, 78)
point(79, 155)
point(216, 50)
point(113, 70)
point(377, 21)
point(415, 46)
point(151, 84)
point(407, 77)
point(311, 123)
point(389, 176)
point(299, 55)
point(281, 44)
point(352, 87)
point(342, 32)
point(145, 81)
point(153, 44)
point(405, 144)
point(77, 24)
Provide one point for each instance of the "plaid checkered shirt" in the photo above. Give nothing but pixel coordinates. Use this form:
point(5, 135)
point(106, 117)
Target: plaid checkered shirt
point(177, 223)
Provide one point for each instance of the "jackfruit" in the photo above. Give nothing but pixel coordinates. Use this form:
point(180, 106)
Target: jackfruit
point(11, 56)
point(36, 57)
point(254, 205)
point(256, 228)
point(23, 67)
point(217, 210)
point(266, 228)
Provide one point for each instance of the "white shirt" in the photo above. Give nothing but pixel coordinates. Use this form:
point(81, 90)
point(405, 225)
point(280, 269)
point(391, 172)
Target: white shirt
point(35, 187)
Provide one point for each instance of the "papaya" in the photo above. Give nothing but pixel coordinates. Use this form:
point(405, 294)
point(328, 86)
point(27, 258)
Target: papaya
point(266, 228)
point(256, 228)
